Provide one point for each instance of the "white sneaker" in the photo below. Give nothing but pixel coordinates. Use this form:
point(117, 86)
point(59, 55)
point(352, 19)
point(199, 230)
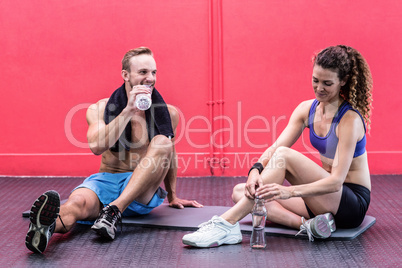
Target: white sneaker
point(214, 233)
point(331, 221)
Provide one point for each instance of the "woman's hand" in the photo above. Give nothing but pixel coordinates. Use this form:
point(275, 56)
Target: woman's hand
point(254, 182)
point(274, 191)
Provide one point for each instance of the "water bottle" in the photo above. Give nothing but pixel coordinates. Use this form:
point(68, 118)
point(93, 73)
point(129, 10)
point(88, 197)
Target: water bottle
point(143, 101)
point(259, 215)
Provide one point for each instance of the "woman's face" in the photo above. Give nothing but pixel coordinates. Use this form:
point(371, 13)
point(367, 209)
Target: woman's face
point(326, 84)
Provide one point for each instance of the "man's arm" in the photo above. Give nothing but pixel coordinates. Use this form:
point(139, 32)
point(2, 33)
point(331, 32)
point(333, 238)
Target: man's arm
point(101, 136)
point(170, 185)
point(171, 177)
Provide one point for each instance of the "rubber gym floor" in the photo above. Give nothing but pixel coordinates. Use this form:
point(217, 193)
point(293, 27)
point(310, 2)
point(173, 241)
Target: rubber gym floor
point(379, 246)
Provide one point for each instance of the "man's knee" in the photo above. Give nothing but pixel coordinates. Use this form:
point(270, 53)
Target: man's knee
point(238, 192)
point(161, 146)
point(82, 205)
point(76, 204)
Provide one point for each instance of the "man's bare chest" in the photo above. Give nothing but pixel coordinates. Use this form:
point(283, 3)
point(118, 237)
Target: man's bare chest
point(139, 133)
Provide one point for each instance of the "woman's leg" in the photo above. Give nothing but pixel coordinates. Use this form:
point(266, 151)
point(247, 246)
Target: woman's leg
point(297, 169)
point(278, 211)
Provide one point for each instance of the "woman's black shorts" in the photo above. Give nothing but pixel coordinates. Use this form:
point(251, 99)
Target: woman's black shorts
point(352, 209)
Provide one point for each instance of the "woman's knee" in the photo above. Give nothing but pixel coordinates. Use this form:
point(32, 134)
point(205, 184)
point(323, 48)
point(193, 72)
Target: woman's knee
point(281, 155)
point(283, 151)
point(238, 192)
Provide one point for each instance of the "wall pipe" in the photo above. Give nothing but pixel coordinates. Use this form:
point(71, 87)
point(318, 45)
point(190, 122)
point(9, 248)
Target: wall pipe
point(211, 101)
point(221, 100)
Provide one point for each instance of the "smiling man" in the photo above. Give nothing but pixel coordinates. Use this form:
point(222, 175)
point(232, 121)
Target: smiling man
point(138, 154)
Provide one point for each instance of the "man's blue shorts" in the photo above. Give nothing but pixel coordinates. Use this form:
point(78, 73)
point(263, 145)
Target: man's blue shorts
point(109, 186)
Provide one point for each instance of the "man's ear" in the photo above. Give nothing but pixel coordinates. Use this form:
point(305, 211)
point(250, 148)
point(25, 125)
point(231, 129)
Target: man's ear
point(125, 75)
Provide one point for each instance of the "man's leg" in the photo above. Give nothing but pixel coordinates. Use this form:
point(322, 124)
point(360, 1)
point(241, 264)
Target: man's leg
point(141, 187)
point(148, 175)
point(83, 204)
point(47, 217)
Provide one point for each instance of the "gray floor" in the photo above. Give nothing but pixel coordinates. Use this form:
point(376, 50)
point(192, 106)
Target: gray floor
point(380, 246)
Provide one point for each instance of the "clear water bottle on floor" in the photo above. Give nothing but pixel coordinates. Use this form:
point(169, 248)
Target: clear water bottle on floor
point(259, 215)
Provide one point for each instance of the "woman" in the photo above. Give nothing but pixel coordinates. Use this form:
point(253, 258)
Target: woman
point(339, 190)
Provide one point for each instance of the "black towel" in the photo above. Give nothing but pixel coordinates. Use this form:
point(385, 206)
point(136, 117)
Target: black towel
point(157, 117)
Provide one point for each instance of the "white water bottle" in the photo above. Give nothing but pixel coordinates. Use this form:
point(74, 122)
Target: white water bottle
point(259, 215)
point(143, 101)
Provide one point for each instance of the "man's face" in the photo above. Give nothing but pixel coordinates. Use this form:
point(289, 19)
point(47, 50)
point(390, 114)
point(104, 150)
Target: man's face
point(143, 71)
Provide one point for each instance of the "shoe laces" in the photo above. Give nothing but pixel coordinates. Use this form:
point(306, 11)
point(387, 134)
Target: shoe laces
point(206, 226)
point(62, 223)
point(111, 214)
point(304, 228)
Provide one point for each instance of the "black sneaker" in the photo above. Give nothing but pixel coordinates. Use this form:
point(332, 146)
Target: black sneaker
point(105, 224)
point(43, 215)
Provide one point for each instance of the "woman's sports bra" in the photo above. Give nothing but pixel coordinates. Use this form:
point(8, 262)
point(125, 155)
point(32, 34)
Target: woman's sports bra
point(327, 145)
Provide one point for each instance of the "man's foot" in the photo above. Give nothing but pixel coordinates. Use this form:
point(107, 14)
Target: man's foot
point(105, 224)
point(214, 233)
point(318, 227)
point(43, 215)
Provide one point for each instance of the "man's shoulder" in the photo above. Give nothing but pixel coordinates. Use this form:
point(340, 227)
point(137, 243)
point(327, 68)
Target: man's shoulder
point(99, 105)
point(96, 110)
point(102, 102)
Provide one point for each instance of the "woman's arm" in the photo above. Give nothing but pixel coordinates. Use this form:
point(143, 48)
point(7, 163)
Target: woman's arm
point(350, 130)
point(297, 123)
point(293, 130)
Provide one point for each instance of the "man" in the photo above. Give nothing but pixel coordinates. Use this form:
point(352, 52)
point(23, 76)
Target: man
point(138, 153)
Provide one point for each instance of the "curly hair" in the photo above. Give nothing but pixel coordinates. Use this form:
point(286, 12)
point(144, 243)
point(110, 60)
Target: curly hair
point(350, 65)
point(125, 62)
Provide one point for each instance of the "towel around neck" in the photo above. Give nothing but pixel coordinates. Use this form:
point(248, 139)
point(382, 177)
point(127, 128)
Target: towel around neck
point(157, 117)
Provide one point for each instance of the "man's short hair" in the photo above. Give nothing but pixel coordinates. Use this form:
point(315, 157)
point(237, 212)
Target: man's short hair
point(132, 53)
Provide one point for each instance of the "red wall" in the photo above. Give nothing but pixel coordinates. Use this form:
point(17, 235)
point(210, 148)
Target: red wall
point(234, 70)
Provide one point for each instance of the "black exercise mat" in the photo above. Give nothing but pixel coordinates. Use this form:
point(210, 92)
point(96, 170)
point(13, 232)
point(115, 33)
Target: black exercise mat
point(189, 219)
